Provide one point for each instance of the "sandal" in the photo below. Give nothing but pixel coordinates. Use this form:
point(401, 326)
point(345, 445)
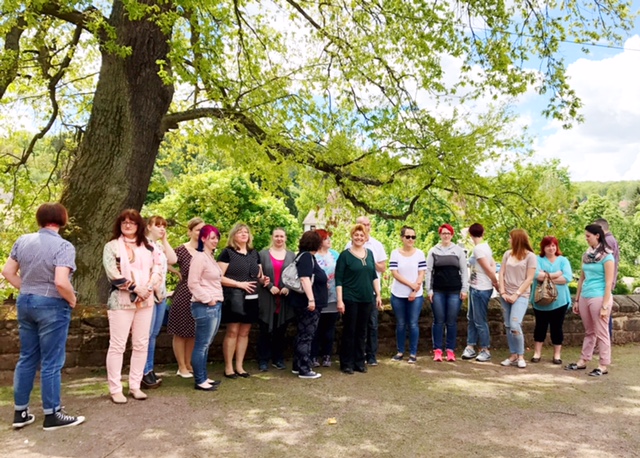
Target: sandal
point(574, 367)
point(597, 372)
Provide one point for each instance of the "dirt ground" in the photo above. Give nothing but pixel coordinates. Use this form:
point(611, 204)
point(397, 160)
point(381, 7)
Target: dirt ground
point(395, 410)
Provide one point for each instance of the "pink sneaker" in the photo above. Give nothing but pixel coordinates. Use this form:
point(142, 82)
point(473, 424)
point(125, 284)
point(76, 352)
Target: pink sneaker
point(437, 355)
point(451, 356)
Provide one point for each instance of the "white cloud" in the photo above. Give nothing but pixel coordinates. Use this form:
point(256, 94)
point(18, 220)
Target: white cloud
point(606, 147)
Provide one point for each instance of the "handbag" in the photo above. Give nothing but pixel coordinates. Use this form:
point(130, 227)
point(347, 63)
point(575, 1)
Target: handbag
point(234, 300)
point(546, 291)
point(290, 277)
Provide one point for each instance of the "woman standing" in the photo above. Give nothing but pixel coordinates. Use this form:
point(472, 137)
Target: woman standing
point(157, 234)
point(309, 303)
point(481, 283)
point(40, 266)
point(134, 270)
point(408, 266)
point(181, 323)
point(516, 275)
point(205, 278)
point(448, 285)
point(275, 313)
point(552, 263)
point(594, 300)
point(357, 288)
point(242, 274)
point(322, 346)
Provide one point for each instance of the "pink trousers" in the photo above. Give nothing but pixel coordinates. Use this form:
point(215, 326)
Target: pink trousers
point(596, 329)
point(121, 322)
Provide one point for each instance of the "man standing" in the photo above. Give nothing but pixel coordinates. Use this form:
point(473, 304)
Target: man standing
point(380, 258)
point(613, 244)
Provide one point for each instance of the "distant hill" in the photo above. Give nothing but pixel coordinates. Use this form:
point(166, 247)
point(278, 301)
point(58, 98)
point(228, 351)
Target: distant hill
point(617, 191)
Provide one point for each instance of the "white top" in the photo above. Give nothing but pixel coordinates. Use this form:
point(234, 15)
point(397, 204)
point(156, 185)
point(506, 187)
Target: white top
point(408, 267)
point(376, 248)
point(479, 279)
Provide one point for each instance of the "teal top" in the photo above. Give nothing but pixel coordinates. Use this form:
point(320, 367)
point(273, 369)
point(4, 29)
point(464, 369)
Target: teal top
point(356, 276)
point(594, 284)
point(561, 264)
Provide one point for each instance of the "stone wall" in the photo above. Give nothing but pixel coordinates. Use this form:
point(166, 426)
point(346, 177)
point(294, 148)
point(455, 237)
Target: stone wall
point(89, 333)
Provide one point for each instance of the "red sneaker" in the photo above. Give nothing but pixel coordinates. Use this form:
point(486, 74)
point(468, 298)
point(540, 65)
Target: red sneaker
point(451, 356)
point(437, 355)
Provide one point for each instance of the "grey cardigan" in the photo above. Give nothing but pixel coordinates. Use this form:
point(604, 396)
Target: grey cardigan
point(267, 300)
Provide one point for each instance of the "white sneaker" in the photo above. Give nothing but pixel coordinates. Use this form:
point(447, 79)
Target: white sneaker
point(469, 353)
point(508, 362)
point(483, 357)
point(310, 375)
point(522, 363)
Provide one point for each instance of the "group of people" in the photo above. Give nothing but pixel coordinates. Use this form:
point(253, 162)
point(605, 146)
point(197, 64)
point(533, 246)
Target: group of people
point(241, 286)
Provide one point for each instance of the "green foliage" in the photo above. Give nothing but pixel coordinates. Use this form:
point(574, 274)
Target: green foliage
point(223, 198)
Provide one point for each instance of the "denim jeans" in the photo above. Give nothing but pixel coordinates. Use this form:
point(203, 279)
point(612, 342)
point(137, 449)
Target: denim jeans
point(207, 323)
point(156, 323)
point(407, 312)
point(478, 324)
point(371, 348)
point(325, 335)
point(43, 325)
point(513, 315)
point(446, 307)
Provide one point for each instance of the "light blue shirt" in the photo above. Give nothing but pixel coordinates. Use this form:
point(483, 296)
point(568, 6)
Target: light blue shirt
point(594, 284)
point(564, 296)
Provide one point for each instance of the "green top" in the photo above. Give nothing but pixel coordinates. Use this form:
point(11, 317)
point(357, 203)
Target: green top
point(356, 276)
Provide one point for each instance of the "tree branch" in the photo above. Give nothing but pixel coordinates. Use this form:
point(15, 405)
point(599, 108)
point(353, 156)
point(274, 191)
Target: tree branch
point(12, 53)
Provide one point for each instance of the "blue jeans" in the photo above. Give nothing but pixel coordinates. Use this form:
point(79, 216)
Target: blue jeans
point(207, 323)
point(43, 325)
point(156, 323)
point(407, 311)
point(371, 348)
point(478, 324)
point(446, 307)
point(513, 315)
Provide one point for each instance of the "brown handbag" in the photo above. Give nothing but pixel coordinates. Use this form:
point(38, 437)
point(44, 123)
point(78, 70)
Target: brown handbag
point(546, 292)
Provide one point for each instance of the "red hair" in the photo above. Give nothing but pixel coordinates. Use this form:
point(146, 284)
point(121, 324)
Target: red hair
point(449, 227)
point(549, 240)
point(323, 233)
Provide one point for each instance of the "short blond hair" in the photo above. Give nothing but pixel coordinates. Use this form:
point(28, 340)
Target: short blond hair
point(358, 227)
point(231, 243)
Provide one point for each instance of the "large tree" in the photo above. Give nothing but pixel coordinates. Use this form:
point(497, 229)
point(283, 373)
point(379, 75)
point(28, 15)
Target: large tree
point(375, 95)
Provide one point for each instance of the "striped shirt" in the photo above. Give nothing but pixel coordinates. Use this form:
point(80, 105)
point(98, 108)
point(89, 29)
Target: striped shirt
point(38, 255)
point(409, 267)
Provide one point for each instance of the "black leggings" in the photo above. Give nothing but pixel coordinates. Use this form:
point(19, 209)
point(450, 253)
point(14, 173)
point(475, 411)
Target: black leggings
point(553, 319)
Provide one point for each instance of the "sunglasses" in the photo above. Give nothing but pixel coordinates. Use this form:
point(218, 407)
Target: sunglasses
point(411, 237)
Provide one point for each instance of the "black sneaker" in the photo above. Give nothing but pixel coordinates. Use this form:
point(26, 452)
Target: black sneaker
point(149, 380)
point(22, 418)
point(60, 420)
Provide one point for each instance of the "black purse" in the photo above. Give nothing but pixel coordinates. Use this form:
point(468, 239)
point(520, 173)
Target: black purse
point(234, 300)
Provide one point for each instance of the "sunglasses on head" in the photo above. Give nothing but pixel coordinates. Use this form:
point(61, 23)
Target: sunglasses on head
point(412, 237)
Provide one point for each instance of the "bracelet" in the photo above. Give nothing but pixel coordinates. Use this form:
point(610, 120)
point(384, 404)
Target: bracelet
point(311, 300)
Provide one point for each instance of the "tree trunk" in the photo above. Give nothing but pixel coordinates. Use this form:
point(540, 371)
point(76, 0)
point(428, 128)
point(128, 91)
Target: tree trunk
point(116, 156)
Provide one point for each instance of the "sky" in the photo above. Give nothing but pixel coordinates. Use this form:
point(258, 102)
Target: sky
point(606, 146)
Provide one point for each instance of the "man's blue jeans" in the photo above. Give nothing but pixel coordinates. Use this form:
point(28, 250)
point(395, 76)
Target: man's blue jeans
point(407, 313)
point(156, 324)
point(513, 315)
point(207, 323)
point(478, 324)
point(43, 325)
point(446, 307)
point(371, 348)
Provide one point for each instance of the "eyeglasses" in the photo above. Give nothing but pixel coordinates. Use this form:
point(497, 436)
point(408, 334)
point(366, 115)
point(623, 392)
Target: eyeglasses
point(445, 233)
point(411, 237)
point(128, 223)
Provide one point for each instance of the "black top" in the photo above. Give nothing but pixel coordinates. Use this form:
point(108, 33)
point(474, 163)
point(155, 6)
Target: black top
point(307, 267)
point(242, 267)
